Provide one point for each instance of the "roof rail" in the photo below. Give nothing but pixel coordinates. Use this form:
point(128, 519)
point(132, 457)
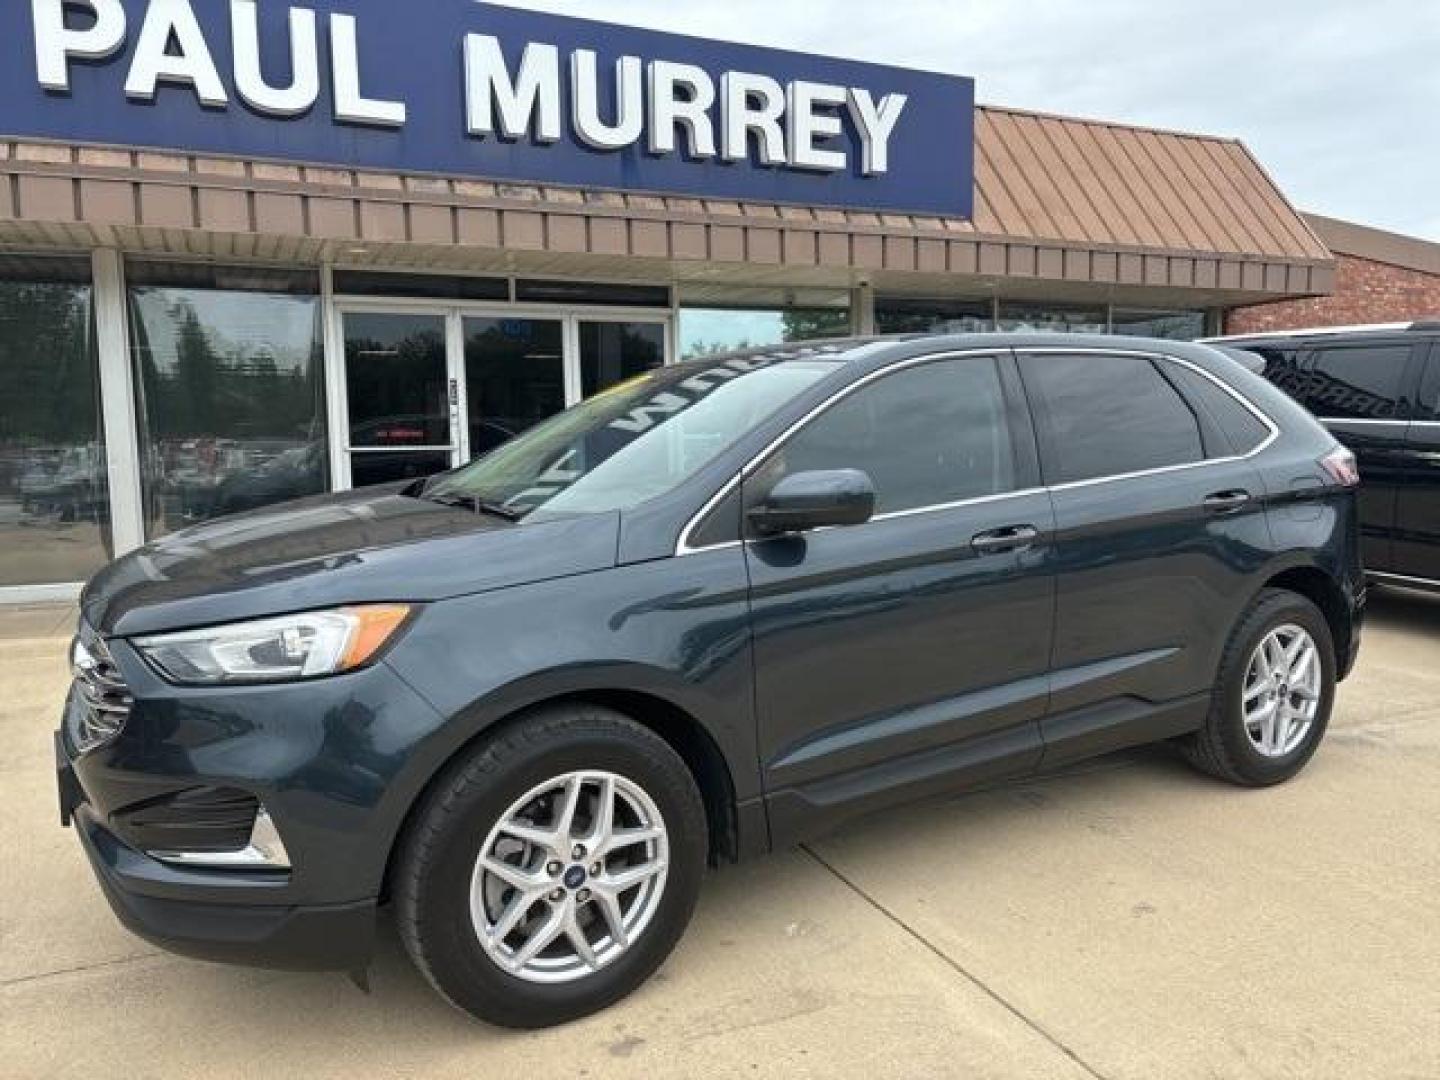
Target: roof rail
point(1318, 331)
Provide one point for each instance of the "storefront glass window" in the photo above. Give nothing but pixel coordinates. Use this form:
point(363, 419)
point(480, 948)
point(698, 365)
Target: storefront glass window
point(707, 331)
point(611, 352)
point(1051, 318)
point(907, 316)
point(230, 376)
point(1172, 325)
point(54, 497)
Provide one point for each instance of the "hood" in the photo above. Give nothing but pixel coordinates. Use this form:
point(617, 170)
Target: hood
point(357, 547)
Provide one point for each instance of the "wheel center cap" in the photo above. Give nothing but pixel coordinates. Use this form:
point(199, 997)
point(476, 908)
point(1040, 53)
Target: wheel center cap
point(574, 877)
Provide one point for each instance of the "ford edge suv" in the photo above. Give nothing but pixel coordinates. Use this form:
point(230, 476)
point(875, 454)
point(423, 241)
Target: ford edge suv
point(700, 616)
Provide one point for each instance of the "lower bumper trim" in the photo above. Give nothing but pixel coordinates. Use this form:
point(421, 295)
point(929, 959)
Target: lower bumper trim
point(332, 937)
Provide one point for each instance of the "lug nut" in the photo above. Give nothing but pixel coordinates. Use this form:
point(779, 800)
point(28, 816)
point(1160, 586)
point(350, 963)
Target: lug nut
point(553, 869)
point(583, 896)
point(597, 870)
point(557, 895)
point(579, 852)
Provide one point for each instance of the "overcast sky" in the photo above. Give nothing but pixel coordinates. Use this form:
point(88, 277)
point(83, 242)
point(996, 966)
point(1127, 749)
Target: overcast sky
point(1339, 99)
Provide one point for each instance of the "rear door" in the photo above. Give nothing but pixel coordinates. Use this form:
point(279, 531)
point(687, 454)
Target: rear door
point(901, 656)
point(1417, 526)
point(1359, 390)
point(1160, 526)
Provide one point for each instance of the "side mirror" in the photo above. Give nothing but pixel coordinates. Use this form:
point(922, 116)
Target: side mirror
point(815, 500)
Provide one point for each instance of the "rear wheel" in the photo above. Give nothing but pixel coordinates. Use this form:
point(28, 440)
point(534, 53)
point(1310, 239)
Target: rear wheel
point(1275, 694)
point(553, 869)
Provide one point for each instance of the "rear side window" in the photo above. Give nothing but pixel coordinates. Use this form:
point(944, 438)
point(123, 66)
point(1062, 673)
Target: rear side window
point(927, 435)
point(1110, 415)
point(1242, 429)
point(1356, 382)
point(1430, 388)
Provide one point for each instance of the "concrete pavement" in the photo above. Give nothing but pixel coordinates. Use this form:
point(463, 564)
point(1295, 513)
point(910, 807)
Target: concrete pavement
point(1128, 919)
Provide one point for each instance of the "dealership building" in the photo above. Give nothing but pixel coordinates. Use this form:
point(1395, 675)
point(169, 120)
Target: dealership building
point(243, 260)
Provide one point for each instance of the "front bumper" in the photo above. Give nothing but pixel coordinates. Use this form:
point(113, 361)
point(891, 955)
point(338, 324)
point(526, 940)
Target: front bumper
point(159, 903)
point(334, 765)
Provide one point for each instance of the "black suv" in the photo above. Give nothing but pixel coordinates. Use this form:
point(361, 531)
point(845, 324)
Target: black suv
point(697, 617)
point(1378, 389)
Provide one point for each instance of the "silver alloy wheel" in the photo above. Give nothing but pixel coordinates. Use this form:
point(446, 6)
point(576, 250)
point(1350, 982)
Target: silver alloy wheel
point(570, 877)
point(1282, 691)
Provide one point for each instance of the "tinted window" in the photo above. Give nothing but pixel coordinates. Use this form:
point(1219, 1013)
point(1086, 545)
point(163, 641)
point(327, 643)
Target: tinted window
point(1109, 415)
point(1355, 382)
point(1242, 429)
point(928, 435)
point(1430, 389)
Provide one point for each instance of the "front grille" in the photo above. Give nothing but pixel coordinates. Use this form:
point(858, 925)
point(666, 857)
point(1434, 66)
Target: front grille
point(102, 701)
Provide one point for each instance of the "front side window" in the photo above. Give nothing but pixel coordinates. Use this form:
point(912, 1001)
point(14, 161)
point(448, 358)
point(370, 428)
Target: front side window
point(631, 443)
point(928, 435)
point(1356, 382)
point(1109, 416)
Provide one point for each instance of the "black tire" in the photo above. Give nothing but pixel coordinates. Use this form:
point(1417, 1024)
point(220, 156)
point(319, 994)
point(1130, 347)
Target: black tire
point(439, 852)
point(1221, 747)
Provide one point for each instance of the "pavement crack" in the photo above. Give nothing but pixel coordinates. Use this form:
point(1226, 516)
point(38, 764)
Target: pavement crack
point(40, 976)
point(1033, 1024)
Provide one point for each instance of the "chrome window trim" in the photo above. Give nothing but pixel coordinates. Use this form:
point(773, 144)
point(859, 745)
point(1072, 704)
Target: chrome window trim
point(684, 548)
point(1359, 420)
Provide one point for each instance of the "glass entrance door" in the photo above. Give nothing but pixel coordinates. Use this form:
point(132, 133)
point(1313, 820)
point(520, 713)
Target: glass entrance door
point(427, 387)
point(514, 377)
point(400, 396)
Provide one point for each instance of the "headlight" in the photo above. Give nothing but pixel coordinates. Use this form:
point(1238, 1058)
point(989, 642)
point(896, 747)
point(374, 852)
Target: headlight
point(284, 649)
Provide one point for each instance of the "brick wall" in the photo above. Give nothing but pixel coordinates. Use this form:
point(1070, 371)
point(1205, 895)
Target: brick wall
point(1365, 292)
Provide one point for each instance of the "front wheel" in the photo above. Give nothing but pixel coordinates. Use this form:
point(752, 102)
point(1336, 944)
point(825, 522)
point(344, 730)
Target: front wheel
point(553, 869)
point(1274, 697)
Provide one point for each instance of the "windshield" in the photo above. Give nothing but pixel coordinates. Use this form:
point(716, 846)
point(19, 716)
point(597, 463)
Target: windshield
point(631, 443)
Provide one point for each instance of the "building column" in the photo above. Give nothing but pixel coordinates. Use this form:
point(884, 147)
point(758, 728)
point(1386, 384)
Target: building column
point(117, 402)
point(862, 310)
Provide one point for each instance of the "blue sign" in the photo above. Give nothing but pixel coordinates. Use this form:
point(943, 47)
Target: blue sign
point(469, 89)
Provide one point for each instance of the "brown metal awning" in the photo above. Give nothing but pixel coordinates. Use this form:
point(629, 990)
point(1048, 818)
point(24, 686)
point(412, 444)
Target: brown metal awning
point(1065, 209)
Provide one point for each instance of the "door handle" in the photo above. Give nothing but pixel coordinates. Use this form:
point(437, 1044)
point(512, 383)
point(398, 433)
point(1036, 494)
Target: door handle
point(1227, 502)
point(1010, 538)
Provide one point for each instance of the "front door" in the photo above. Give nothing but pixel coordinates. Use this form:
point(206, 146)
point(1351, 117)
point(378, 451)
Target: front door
point(901, 656)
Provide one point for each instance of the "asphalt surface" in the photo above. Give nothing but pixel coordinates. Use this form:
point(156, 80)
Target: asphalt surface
point(1129, 919)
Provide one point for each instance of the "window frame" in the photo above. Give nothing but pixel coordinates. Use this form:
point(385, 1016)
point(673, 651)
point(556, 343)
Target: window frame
point(1044, 433)
point(1020, 423)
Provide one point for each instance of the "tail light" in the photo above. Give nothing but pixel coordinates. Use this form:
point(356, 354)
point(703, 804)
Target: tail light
point(1340, 466)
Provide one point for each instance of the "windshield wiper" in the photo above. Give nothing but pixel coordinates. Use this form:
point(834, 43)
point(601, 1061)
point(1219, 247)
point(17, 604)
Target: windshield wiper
point(478, 505)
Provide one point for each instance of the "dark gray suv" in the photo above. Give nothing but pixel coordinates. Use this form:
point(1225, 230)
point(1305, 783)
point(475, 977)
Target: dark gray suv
point(703, 615)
